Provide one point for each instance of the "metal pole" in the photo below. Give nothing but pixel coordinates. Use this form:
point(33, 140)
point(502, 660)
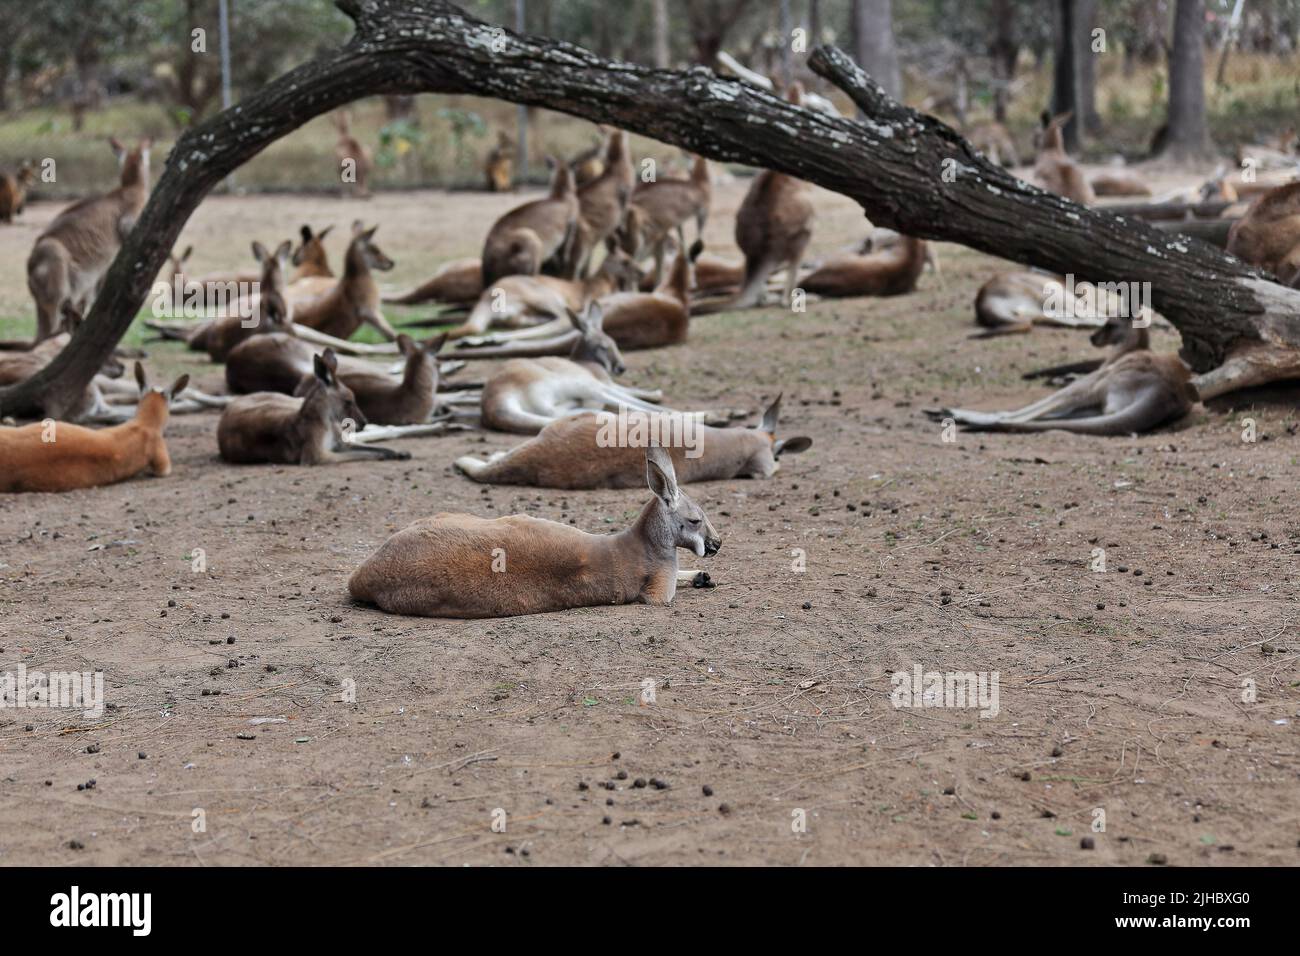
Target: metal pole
point(521, 123)
point(223, 15)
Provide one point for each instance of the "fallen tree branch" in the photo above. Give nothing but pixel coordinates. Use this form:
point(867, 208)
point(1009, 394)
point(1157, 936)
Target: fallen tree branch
point(907, 171)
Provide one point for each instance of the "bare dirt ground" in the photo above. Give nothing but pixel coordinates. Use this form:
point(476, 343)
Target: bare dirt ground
point(1120, 692)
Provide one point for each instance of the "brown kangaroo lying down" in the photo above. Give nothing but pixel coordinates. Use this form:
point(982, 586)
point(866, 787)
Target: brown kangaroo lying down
point(270, 427)
point(283, 363)
point(1136, 393)
point(1119, 182)
point(1014, 302)
point(1120, 335)
point(1054, 169)
point(584, 451)
point(532, 235)
point(891, 271)
point(458, 565)
point(86, 458)
point(459, 282)
point(1268, 235)
point(20, 365)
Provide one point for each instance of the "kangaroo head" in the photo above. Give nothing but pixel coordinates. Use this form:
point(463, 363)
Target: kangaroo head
point(561, 178)
point(176, 262)
point(152, 412)
point(1048, 135)
point(421, 358)
point(363, 254)
point(765, 464)
point(326, 397)
point(1123, 332)
point(272, 301)
point(26, 173)
point(594, 346)
point(134, 162)
point(312, 249)
point(619, 268)
point(683, 523)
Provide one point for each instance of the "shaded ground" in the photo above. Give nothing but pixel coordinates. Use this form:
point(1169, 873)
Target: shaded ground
point(1120, 691)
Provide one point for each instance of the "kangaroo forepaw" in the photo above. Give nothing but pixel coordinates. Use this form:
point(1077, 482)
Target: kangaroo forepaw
point(702, 580)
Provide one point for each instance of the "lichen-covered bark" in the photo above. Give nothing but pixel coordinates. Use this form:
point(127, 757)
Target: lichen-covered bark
point(892, 162)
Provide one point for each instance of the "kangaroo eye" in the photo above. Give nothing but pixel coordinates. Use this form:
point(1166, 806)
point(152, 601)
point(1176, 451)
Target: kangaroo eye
point(693, 520)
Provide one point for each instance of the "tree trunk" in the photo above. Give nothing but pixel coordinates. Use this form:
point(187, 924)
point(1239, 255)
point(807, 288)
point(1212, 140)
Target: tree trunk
point(661, 34)
point(1188, 139)
point(1086, 64)
point(891, 163)
point(1065, 80)
point(873, 33)
point(1004, 51)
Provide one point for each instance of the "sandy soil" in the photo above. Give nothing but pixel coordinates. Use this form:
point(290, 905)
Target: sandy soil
point(1120, 692)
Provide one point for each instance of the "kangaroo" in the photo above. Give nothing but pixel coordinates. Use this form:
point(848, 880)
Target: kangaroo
point(1119, 182)
point(1054, 169)
point(447, 565)
point(530, 236)
point(528, 394)
point(589, 164)
point(1135, 393)
point(309, 259)
point(634, 320)
point(499, 167)
point(386, 400)
point(527, 300)
point(994, 140)
point(71, 256)
point(602, 203)
point(1268, 235)
point(13, 191)
point(582, 451)
point(63, 456)
point(1121, 335)
point(301, 430)
point(269, 311)
point(459, 282)
point(1014, 302)
point(355, 163)
point(354, 300)
point(891, 271)
point(660, 208)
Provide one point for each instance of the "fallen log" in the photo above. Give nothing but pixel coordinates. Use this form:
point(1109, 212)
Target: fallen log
point(908, 171)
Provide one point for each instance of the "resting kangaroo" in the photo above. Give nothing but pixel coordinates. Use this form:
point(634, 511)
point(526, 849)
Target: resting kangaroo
point(458, 565)
point(62, 456)
point(353, 301)
point(306, 430)
point(1054, 168)
point(1120, 335)
point(1014, 302)
point(71, 256)
point(529, 300)
point(528, 394)
point(891, 271)
point(532, 235)
point(1268, 235)
point(634, 320)
point(583, 451)
point(1135, 393)
point(459, 282)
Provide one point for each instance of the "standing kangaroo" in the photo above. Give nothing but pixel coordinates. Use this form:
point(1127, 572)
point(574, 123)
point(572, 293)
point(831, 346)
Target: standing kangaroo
point(891, 271)
point(353, 301)
point(1054, 168)
point(13, 191)
point(355, 162)
point(532, 235)
point(660, 208)
point(602, 204)
point(62, 456)
point(458, 565)
point(574, 452)
point(71, 256)
point(305, 430)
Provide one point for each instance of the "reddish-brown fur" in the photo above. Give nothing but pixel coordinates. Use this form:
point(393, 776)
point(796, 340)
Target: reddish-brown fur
point(13, 191)
point(602, 203)
point(459, 282)
point(353, 301)
point(499, 167)
point(1268, 235)
point(891, 271)
point(1054, 168)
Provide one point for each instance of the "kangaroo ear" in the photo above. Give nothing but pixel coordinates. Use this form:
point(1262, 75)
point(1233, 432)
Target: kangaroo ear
point(116, 146)
point(305, 232)
point(660, 475)
point(325, 365)
point(178, 386)
point(768, 424)
point(324, 232)
point(405, 344)
point(791, 446)
point(575, 320)
point(358, 227)
point(1045, 118)
point(1062, 118)
point(259, 252)
point(434, 345)
point(370, 233)
point(283, 251)
point(140, 379)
